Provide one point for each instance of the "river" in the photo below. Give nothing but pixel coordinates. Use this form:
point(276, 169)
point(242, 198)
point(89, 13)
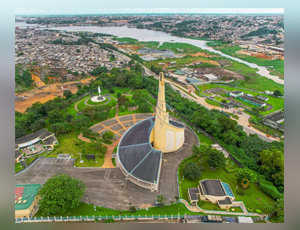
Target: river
point(159, 36)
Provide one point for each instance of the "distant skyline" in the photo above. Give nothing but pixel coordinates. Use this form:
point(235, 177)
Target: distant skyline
point(74, 11)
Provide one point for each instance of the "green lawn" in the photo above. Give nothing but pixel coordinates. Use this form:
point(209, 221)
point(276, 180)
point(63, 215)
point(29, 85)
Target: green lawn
point(29, 160)
point(81, 105)
point(98, 162)
point(70, 144)
point(18, 167)
point(88, 210)
point(183, 48)
point(211, 102)
point(180, 62)
point(253, 198)
point(210, 206)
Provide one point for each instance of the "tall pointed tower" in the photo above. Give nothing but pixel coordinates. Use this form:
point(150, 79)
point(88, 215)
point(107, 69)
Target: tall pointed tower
point(168, 135)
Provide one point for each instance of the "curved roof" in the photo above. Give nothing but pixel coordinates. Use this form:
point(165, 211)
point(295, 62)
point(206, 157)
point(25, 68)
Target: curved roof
point(136, 154)
point(30, 137)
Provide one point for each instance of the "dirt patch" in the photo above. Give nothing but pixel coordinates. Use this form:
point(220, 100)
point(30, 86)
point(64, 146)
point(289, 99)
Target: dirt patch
point(38, 82)
point(263, 56)
point(199, 54)
point(45, 93)
point(131, 47)
point(253, 54)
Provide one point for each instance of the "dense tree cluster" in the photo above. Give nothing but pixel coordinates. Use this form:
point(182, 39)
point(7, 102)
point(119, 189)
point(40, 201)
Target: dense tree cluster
point(60, 193)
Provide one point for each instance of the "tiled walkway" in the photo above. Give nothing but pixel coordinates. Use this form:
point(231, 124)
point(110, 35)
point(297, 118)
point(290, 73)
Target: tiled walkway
point(118, 125)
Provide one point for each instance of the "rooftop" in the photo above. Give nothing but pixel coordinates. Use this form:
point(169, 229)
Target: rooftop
point(212, 187)
point(136, 153)
point(193, 193)
point(27, 193)
point(225, 201)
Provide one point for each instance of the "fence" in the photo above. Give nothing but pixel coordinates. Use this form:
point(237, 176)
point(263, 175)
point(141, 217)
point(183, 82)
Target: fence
point(104, 217)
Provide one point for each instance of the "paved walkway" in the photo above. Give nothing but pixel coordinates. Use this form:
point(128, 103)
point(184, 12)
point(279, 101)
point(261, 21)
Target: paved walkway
point(108, 156)
point(198, 209)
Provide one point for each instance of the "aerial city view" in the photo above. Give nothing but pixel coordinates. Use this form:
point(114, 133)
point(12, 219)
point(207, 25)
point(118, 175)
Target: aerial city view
point(149, 118)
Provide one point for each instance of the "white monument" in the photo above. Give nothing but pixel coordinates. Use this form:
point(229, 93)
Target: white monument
point(98, 98)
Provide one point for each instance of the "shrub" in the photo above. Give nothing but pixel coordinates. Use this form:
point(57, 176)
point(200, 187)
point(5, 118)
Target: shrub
point(132, 209)
point(111, 91)
point(192, 171)
point(270, 190)
point(258, 211)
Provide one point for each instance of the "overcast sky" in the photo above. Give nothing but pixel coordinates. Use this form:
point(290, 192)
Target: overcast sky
point(93, 10)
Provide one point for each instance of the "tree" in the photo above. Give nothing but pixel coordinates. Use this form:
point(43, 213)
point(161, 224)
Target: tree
point(62, 127)
point(60, 193)
point(216, 159)
point(122, 100)
point(140, 95)
point(280, 210)
point(272, 163)
point(80, 121)
point(245, 173)
point(132, 209)
point(192, 171)
point(37, 125)
point(121, 79)
point(107, 136)
point(97, 71)
point(277, 93)
point(160, 200)
point(67, 94)
point(55, 116)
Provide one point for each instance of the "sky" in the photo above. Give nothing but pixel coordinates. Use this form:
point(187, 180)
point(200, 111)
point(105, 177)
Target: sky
point(93, 10)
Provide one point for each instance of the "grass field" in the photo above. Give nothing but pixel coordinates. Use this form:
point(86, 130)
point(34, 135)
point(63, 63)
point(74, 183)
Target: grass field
point(81, 105)
point(277, 103)
point(180, 62)
point(277, 65)
point(253, 198)
point(18, 167)
point(98, 162)
point(182, 48)
point(70, 144)
point(211, 102)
